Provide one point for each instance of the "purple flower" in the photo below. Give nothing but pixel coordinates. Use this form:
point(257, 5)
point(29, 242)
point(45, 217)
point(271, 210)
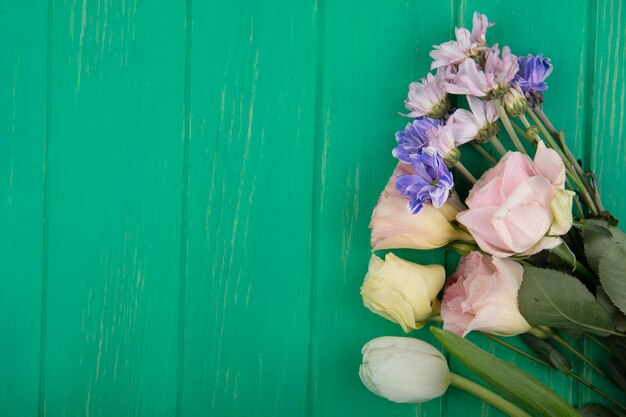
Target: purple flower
point(427, 98)
point(490, 83)
point(533, 70)
point(467, 44)
point(413, 138)
point(431, 183)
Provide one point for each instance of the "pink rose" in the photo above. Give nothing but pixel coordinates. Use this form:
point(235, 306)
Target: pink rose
point(482, 295)
point(520, 207)
point(394, 227)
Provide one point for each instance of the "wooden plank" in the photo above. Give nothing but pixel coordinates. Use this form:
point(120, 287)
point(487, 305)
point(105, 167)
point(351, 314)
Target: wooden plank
point(114, 208)
point(250, 178)
point(371, 52)
point(606, 135)
point(23, 30)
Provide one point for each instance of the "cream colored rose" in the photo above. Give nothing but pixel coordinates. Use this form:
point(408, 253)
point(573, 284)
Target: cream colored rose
point(402, 291)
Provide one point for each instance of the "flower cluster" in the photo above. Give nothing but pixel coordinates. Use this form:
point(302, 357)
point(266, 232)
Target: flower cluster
point(513, 216)
point(516, 209)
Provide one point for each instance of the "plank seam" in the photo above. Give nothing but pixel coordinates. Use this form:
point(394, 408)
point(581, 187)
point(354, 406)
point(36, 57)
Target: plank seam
point(319, 8)
point(45, 224)
point(184, 209)
point(590, 81)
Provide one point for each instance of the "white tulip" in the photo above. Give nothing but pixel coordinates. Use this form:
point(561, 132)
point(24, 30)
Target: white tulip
point(404, 370)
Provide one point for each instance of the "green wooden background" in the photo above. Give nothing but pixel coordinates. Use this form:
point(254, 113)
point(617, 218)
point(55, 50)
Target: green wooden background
point(185, 189)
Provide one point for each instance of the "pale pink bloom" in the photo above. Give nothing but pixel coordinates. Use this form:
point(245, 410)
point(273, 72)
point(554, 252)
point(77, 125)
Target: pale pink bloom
point(394, 227)
point(467, 125)
point(520, 207)
point(482, 295)
point(496, 78)
point(466, 45)
point(480, 24)
point(427, 98)
point(442, 139)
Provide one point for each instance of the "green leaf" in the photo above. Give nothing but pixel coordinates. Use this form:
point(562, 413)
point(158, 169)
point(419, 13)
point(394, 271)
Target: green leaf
point(603, 230)
point(597, 243)
point(612, 271)
point(618, 347)
point(617, 372)
point(566, 255)
point(553, 298)
point(512, 381)
point(619, 318)
point(595, 410)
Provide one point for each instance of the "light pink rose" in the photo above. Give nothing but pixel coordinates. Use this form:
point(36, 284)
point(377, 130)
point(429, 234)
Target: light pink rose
point(394, 227)
point(520, 207)
point(482, 295)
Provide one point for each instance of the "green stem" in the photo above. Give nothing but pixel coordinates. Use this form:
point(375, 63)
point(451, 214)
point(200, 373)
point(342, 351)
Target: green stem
point(584, 273)
point(570, 165)
point(460, 168)
point(599, 343)
point(524, 121)
point(598, 391)
point(523, 134)
point(508, 126)
point(592, 188)
point(527, 125)
point(498, 145)
point(544, 119)
point(546, 364)
point(484, 153)
point(486, 395)
point(517, 350)
point(576, 353)
point(579, 207)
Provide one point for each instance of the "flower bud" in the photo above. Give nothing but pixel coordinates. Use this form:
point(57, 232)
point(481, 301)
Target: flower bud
point(402, 291)
point(488, 131)
point(547, 351)
point(404, 370)
point(533, 133)
point(452, 157)
point(514, 102)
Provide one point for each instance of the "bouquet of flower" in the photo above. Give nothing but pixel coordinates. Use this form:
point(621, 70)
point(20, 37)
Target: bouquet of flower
point(541, 257)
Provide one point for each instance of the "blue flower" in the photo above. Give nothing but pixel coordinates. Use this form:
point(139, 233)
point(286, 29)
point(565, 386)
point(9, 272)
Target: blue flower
point(413, 138)
point(533, 70)
point(431, 183)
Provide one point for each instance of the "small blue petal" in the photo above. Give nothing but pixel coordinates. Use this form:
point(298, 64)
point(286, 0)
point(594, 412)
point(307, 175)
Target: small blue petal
point(413, 138)
point(533, 70)
point(431, 183)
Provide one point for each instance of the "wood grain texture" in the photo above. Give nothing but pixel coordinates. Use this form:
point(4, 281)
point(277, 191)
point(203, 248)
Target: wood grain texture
point(185, 190)
point(23, 30)
point(608, 106)
point(605, 133)
point(114, 178)
point(366, 66)
point(247, 318)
